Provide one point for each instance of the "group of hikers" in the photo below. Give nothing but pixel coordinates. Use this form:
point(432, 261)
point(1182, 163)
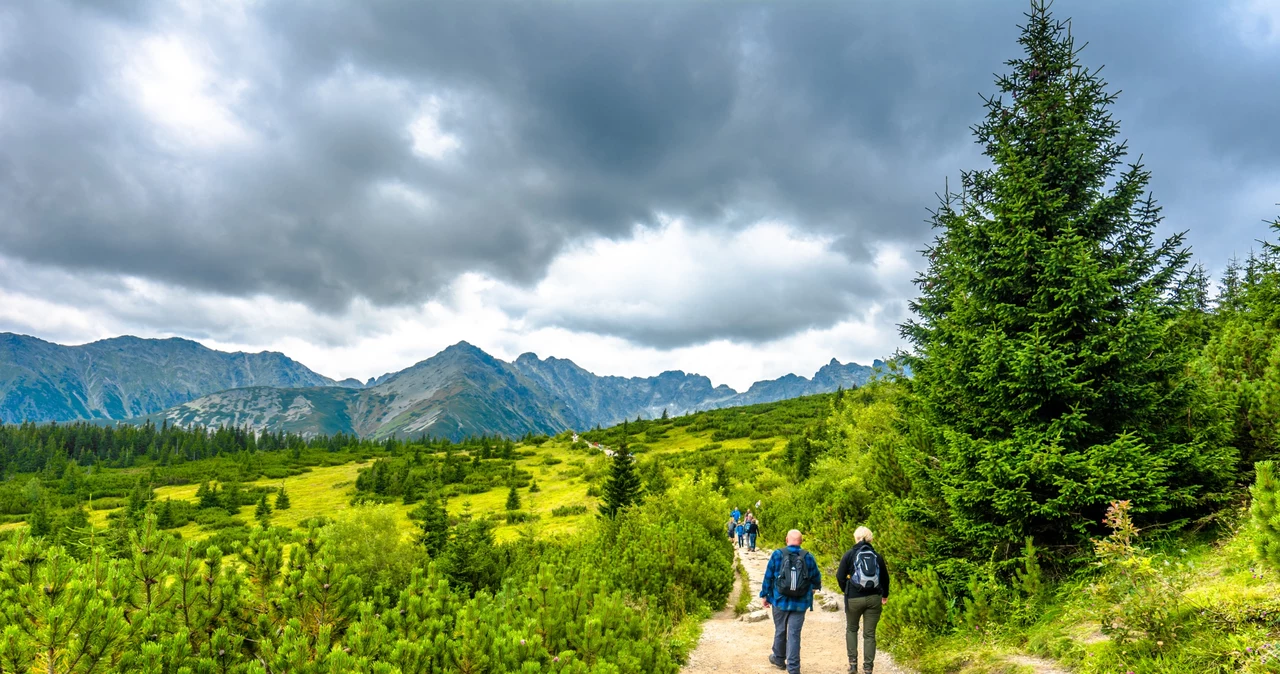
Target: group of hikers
point(743, 530)
point(792, 578)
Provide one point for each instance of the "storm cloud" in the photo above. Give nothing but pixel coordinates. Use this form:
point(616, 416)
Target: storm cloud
point(333, 153)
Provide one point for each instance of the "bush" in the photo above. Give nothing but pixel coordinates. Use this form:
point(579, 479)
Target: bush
point(569, 510)
point(368, 540)
point(519, 516)
point(1265, 513)
point(1139, 600)
point(921, 604)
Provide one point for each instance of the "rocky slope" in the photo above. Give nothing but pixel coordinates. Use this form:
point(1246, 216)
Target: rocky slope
point(127, 377)
point(464, 391)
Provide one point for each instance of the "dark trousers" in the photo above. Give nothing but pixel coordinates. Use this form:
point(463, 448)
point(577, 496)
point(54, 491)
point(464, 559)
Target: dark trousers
point(867, 611)
point(786, 638)
point(751, 541)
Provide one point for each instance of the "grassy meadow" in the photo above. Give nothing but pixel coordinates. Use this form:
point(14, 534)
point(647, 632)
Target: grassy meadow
point(738, 444)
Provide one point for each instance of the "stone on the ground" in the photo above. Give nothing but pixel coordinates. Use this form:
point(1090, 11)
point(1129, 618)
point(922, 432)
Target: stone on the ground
point(755, 616)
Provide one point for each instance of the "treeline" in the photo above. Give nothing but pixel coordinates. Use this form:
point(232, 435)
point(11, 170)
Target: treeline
point(353, 596)
point(48, 468)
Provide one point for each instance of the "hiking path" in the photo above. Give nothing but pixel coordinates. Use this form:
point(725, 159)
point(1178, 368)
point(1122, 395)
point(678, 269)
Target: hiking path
point(730, 645)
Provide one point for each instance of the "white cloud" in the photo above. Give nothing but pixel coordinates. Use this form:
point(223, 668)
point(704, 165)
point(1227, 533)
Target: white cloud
point(655, 275)
point(1259, 21)
point(429, 140)
point(174, 82)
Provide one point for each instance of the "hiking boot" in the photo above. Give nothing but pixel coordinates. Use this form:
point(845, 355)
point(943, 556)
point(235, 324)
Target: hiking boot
point(776, 662)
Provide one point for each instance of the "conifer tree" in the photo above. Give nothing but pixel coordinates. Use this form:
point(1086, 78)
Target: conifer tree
point(164, 515)
point(230, 498)
point(513, 499)
point(655, 478)
point(622, 489)
point(533, 487)
point(262, 513)
point(39, 519)
point(208, 496)
point(1265, 512)
point(282, 500)
point(1030, 579)
point(433, 525)
point(1041, 331)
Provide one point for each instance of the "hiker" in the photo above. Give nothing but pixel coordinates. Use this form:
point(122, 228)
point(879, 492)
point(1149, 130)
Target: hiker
point(741, 530)
point(753, 528)
point(736, 514)
point(788, 585)
point(730, 526)
point(864, 580)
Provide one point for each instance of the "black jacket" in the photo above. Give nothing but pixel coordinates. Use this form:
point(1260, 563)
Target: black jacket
point(846, 570)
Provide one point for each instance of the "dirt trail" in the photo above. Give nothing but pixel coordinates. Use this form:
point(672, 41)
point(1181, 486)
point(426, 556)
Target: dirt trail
point(729, 645)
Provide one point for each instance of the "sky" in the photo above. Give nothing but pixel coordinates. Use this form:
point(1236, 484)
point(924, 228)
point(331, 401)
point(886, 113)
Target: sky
point(738, 189)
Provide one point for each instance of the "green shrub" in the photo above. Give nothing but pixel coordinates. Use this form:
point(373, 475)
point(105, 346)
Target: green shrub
point(1139, 599)
point(921, 604)
point(1265, 513)
point(518, 516)
point(569, 510)
point(368, 540)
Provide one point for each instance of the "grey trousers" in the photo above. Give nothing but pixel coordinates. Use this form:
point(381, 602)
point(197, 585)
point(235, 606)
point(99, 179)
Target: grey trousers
point(867, 611)
point(786, 638)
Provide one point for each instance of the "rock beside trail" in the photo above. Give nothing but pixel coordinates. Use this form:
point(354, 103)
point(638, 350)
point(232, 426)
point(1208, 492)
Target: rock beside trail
point(828, 601)
point(755, 616)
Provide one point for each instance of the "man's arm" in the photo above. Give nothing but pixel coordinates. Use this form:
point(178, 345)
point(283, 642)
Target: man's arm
point(766, 583)
point(815, 576)
point(842, 573)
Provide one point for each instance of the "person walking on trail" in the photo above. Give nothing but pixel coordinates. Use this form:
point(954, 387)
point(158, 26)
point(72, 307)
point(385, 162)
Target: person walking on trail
point(736, 514)
point(788, 585)
point(864, 580)
point(741, 530)
point(753, 529)
point(731, 527)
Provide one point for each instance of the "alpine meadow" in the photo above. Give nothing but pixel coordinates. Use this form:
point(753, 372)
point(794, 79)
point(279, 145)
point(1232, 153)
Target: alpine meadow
point(1071, 463)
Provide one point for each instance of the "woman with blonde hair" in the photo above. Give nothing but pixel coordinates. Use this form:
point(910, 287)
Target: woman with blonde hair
point(864, 579)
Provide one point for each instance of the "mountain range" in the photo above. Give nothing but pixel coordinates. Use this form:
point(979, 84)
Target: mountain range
point(458, 392)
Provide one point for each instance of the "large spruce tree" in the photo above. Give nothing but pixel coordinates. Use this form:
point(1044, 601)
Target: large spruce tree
point(623, 486)
point(1042, 347)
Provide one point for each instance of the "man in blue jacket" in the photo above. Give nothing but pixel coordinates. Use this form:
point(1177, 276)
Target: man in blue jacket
point(788, 586)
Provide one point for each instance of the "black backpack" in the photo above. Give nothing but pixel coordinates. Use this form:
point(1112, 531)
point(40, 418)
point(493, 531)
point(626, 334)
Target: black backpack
point(866, 570)
point(793, 575)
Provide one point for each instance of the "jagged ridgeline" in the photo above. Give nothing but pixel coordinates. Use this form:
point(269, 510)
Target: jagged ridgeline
point(225, 550)
point(460, 392)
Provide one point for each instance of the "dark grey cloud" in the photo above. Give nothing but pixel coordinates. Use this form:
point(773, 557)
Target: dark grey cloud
point(575, 119)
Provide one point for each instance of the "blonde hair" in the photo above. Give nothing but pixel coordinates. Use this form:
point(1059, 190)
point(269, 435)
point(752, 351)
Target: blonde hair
point(863, 535)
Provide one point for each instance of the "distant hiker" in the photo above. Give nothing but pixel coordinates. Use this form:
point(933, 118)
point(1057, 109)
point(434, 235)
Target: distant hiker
point(731, 526)
point(753, 529)
point(741, 530)
point(864, 580)
point(788, 586)
point(736, 514)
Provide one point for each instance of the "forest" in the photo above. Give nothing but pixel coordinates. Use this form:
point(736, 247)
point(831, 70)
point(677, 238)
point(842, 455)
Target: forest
point(1079, 467)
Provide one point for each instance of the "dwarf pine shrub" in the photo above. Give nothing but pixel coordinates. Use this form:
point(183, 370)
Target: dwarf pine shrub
point(1265, 513)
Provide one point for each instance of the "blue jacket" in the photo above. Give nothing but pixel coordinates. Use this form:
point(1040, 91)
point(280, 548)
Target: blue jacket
point(784, 603)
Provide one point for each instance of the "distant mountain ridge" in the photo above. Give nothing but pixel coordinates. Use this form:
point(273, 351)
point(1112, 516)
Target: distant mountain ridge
point(458, 392)
point(464, 391)
point(125, 377)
